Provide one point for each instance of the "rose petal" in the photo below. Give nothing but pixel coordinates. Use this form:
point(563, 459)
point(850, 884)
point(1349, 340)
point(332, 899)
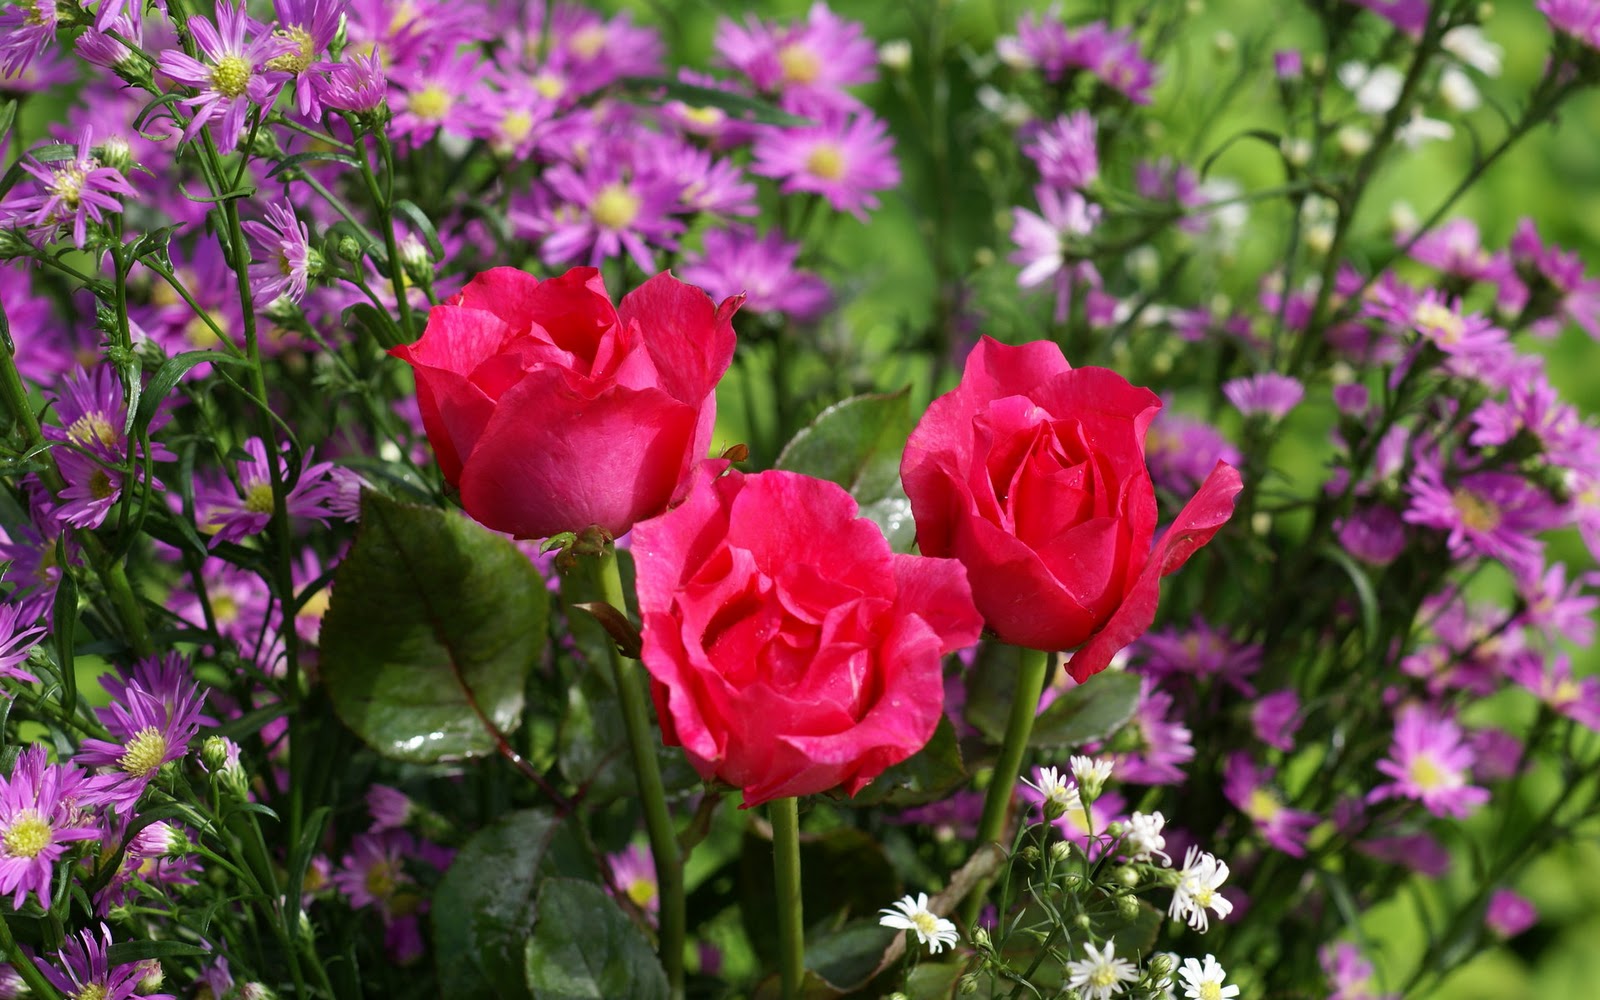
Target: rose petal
point(690, 341)
point(1206, 512)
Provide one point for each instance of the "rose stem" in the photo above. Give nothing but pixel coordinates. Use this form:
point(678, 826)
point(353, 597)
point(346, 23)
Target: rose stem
point(1024, 706)
point(658, 821)
point(785, 817)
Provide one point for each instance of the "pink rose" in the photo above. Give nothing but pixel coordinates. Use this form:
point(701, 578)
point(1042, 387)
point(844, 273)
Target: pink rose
point(1032, 473)
point(551, 410)
point(792, 650)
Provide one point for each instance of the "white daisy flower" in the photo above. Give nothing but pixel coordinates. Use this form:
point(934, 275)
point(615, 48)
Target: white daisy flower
point(1101, 975)
point(1144, 838)
point(1060, 794)
point(1204, 982)
point(912, 914)
point(1090, 774)
point(1202, 874)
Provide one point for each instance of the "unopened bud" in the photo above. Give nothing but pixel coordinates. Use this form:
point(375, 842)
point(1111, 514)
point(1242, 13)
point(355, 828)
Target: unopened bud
point(968, 985)
point(348, 248)
point(1296, 150)
point(1353, 141)
point(1126, 875)
point(895, 55)
point(1030, 854)
point(1223, 44)
point(150, 976)
point(1082, 922)
point(983, 257)
point(1160, 966)
point(255, 991)
point(1127, 907)
point(1060, 851)
point(980, 938)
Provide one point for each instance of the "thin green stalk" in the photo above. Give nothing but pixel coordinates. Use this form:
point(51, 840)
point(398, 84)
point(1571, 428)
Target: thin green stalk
point(21, 961)
point(785, 817)
point(658, 820)
point(1024, 706)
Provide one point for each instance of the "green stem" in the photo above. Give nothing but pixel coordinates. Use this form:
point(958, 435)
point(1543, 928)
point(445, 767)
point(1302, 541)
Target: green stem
point(658, 821)
point(38, 985)
point(785, 817)
point(1024, 706)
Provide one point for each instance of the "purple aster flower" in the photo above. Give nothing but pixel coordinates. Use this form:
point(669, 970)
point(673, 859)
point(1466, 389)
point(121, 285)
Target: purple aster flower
point(1430, 763)
point(235, 76)
point(1456, 249)
point(705, 183)
point(26, 28)
point(633, 873)
point(1349, 974)
point(1553, 286)
point(433, 94)
point(71, 191)
point(1044, 43)
point(957, 815)
point(357, 84)
point(1374, 534)
point(1560, 610)
point(1496, 754)
point(510, 116)
point(391, 808)
point(309, 25)
point(1250, 790)
point(1275, 718)
point(82, 968)
point(1408, 16)
point(90, 405)
point(736, 261)
point(151, 719)
point(1200, 652)
point(1552, 682)
point(1490, 514)
point(1163, 744)
point(1268, 394)
point(806, 64)
point(374, 874)
point(1044, 239)
point(1065, 150)
point(31, 551)
point(590, 52)
point(39, 817)
point(1577, 19)
point(1182, 451)
point(603, 209)
point(92, 489)
point(1473, 346)
point(844, 159)
point(285, 245)
point(1509, 914)
point(229, 514)
point(1287, 64)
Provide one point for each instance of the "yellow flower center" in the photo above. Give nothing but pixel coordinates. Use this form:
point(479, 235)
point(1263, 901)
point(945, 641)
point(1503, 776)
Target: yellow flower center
point(380, 880)
point(299, 60)
point(549, 86)
point(1425, 773)
point(800, 65)
point(67, 184)
point(1103, 977)
point(615, 206)
point(1476, 513)
point(515, 126)
point(258, 499)
point(826, 162)
point(587, 42)
point(431, 103)
point(32, 15)
point(100, 485)
point(91, 991)
point(92, 427)
point(705, 117)
point(927, 923)
point(199, 333)
point(1264, 807)
point(1439, 320)
point(144, 753)
point(1211, 990)
point(230, 76)
point(1566, 692)
point(1204, 896)
point(641, 891)
point(224, 608)
point(316, 605)
point(27, 835)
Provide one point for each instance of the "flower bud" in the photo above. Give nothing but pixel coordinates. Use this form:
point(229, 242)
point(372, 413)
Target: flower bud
point(349, 248)
point(1126, 875)
point(968, 985)
point(1082, 922)
point(895, 55)
point(980, 938)
point(1223, 44)
point(255, 991)
point(1353, 140)
point(1030, 854)
point(1296, 150)
point(150, 976)
point(1127, 907)
point(1060, 851)
point(1160, 967)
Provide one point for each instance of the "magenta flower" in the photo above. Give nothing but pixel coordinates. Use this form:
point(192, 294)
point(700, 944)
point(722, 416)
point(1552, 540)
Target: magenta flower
point(151, 719)
point(1553, 683)
point(1162, 744)
point(434, 94)
point(1268, 394)
point(236, 75)
point(1456, 249)
point(1200, 652)
point(26, 28)
point(1577, 19)
point(357, 84)
point(92, 489)
point(1349, 974)
point(1509, 914)
point(1043, 239)
point(844, 159)
point(83, 969)
point(373, 873)
point(1430, 763)
point(1250, 790)
point(1182, 451)
point(736, 261)
point(1374, 534)
point(1275, 718)
point(633, 873)
point(1065, 150)
point(229, 514)
point(39, 817)
point(1490, 514)
point(604, 210)
point(73, 191)
point(806, 64)
point(309, 25)
point(285, 245)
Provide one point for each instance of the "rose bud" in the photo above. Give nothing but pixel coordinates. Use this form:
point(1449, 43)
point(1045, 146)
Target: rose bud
point(552, 411)
point(1032, 473)
point(792, 651)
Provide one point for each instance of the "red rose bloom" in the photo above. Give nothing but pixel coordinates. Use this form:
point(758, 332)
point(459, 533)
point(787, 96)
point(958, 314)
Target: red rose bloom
point(792, 650)
point(1032, 473)
point(551, 410)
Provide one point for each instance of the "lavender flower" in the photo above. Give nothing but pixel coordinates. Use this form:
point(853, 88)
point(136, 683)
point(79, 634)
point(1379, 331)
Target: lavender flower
point(1248, 787)
point(844, 159)
point(603, 210)
point(1491, 514)
point(806, 64)
point(1269, 394)
point(736, 261)
point(151, 719)
point(236, 75)
point(76, 190)
point(1554, 684)
point(229, 514)
point(1430, 763)
point(83, 969)
point(39, 817)
point(289, 260)
point(1509, 914)
point(1065, 150)
point(633, 872)
point(1275, 718)
point(309, 25)
point(1042, 240)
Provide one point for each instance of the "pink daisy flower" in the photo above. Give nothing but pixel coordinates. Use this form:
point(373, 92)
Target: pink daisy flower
point(235, 76)
point(73, 191)
point(83, 968)
point(844, 159)
point(286, 264)
point(807, 64)
point(736, 261)
point(39, 817)
point(1250, 789)
point(1490, 514)
point(230, 514)
point(151, 719)
point(1430, 763)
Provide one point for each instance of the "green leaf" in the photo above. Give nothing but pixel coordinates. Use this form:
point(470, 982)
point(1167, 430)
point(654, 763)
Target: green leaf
point(857, 443)
point(1138, 935)
point(849, 957)
point(434, 625)
point(1367, 597)
point(660, 89)
point(137, 951)
point(990, 683)
point(167, 376)
point(584, 948)
point(485, 906)
point(592, 742)
point(1091, 711)
point(314, 156)
point(933, 981)
point(927, 775)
